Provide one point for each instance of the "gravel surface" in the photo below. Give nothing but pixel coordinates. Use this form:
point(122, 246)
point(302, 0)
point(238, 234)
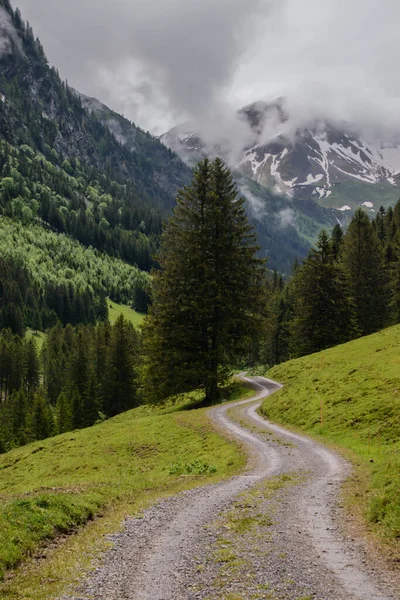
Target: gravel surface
point(270, 533)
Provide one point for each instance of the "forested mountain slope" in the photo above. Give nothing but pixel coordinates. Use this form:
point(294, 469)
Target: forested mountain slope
point(41, 110)
point(285, 230)
point(61, 167)
point(47, 277)
point(98, 212)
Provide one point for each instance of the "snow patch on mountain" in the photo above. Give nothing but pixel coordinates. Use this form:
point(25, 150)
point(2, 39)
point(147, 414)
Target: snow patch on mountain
point(311, 179)
point(307, 161)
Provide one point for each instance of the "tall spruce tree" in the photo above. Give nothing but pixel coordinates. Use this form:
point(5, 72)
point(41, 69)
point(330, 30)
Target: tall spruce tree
point(40, 420)
point(123, 356)
point(363, 262)
point(32, 368)
point(64, 421)
point(207, 296)
point(323, 311)
point(337, 239)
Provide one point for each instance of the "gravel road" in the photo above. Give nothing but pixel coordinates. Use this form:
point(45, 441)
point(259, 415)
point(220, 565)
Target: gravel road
point(273, 532)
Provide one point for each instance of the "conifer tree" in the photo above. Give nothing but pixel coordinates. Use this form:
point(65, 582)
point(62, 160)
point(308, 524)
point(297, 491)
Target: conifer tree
point(390, 225)
point(32, 368)
point(207, 296)
point(380, 224)
point(122, 358)
point(363, 262)
point(54, 363)
point(323, 312)
point(92, 403)
point(337, 239)
point(101, 345)
point(41, 423)
point(20, 409)
point(77, 408)
point(396, 214)
point(78, 364)
point(394, 290)
point(63, 414)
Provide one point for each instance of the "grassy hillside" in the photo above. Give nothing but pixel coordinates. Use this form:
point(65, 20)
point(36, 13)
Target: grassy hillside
point(350, 396)
point(49, 488)
point(354, 193)
point(131, 315)
point(38, 336)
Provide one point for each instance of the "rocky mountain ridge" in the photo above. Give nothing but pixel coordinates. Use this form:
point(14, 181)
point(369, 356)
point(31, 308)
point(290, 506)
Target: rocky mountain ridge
point(41, 110)
point(331, 164)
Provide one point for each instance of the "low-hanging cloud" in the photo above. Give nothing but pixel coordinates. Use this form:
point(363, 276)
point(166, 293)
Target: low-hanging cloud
point(286, 218)
point(165, 60)
point(168, 61)
point(257, 206)
point(8, 36)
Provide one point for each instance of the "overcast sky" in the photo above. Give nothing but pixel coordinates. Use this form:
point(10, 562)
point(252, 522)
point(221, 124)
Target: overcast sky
point(161, 62)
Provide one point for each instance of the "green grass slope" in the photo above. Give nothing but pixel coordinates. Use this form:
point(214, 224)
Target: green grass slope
point(38, 336)
point(354, 193)
point(350, 396)
point(131, 315)
point(52, 487)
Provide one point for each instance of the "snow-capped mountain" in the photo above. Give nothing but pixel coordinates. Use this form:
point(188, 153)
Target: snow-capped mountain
point(331, 164)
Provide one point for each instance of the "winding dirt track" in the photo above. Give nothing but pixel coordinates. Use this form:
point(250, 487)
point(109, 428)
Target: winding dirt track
point(157, 557)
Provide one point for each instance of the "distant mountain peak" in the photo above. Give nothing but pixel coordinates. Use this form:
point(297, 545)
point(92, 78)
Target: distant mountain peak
point(312, 159)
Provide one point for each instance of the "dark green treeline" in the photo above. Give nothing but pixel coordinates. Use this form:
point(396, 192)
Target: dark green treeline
point(348, 286)
point(83, 374)
point(26, 303)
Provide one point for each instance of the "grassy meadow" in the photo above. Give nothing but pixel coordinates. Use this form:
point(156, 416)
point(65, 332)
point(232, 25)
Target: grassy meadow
point(95, 477)
point(349, 396)
point(114, 310)
point(38, 336)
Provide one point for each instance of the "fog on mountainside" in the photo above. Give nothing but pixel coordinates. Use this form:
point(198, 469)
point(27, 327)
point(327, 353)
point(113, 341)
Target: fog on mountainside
point(151, 61)
point(331, 164)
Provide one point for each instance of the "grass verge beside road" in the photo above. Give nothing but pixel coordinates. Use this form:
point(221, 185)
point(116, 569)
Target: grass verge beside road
point(349, 396)
point(95, 477)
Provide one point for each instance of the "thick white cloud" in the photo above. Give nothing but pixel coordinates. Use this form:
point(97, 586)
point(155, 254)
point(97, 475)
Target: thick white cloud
point(159, 59)
point(336, 58)
point(163, 61)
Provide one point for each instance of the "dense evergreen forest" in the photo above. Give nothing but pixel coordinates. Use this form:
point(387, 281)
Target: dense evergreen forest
point(348, 286)
point(62, 168)
point(83, 374)
point(76, 166)
point(69, 198)
point(42, 111)
point(80, 219)
point(47, 277)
